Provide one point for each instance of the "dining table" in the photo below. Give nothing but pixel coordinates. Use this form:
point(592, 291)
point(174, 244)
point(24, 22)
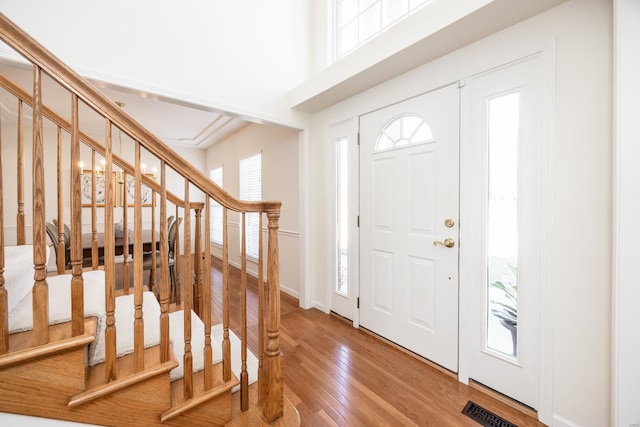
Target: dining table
point(119, 244)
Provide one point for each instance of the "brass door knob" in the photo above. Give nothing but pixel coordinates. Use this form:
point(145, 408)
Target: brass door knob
point(448, 242)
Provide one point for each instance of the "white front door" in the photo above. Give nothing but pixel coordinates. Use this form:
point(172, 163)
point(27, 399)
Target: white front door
point(409, 198)
point(502, 213)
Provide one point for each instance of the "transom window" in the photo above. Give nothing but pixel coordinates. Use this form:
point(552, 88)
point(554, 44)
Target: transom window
point(358, 21)
point(404, 130)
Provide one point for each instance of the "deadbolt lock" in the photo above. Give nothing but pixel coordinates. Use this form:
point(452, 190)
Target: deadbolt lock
point(449, 223)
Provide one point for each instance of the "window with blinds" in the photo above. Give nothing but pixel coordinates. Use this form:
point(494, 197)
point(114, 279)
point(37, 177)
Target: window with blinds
point(216, 209)
point(251, 189)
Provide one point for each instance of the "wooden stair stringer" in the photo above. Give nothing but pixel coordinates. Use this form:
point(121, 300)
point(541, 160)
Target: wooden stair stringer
point(191, 406)
point(96, 388)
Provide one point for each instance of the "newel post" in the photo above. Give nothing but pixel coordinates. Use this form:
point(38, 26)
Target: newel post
point(273, 375)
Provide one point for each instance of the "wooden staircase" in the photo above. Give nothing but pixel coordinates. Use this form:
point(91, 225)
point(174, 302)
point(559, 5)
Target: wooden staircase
point(49, 368)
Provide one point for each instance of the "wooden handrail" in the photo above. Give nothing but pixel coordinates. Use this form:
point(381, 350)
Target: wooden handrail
point(37, 54)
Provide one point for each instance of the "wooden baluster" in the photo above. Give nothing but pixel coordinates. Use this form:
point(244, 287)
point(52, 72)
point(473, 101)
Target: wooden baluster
point(21, 237)
point(165, 349)
point(4, 297)
point(177, 298)
point(126, 275)
point(206, 295)
point(273, 400)
point(152, 273)
point(188, 357)
point(226, 343)
point(138, 283)
point(77, 281)
point(94, 212)
point(40, 287)
point(197, 282)
point(60, 246)
point(244, 376)
point(110, 367)
point(261, 331)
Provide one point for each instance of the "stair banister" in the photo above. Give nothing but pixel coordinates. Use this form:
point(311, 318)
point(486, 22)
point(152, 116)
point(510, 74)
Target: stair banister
point(138, 326)
point(208, 351)
point(110, 368)
point(114, 116)
point(188, 296)
point(273, 402)
point(165, 349)
point(60, 246)
point(40, 291)
point(21, 236)
point(75, 240)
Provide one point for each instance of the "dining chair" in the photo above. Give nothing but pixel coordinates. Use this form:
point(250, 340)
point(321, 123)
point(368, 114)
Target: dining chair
point(86, 262)
point(150, 257)
point(52, 232)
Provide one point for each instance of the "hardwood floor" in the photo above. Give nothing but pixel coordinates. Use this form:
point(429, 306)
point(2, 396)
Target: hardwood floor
point(336, 375)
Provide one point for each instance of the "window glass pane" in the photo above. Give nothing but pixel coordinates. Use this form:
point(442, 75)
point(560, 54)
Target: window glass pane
point(404, 130)
point(216, 209)
point(369, 23)
point(392, 10)
point(342, 215)
point(409, 126)
point(251, 189)
point(347, 12)
point(423, 134)
point(356, 21)
point(348, 38)
point(365, 4)
point(415, 4)
point(394, 130)
point(502, 226)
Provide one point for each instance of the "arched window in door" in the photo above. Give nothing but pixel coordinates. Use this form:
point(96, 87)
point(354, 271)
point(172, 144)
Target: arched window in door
point(404, 130)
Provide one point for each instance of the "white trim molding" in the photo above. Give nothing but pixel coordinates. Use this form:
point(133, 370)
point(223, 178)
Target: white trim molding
point(625, 370)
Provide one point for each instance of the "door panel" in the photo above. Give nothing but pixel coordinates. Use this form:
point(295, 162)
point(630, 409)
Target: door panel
point(408, 187)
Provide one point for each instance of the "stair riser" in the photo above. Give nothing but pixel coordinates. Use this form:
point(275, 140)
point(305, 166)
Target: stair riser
point(42, 387)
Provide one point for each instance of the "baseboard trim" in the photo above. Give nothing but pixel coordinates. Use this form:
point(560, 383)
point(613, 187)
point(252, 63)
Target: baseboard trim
point(560, 421)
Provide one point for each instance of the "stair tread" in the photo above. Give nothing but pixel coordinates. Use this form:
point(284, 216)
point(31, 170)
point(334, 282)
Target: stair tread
point(178, 402)
point(96, 386)
point(60, 339)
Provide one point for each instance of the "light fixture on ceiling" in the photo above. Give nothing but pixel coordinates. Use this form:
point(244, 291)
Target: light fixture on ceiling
point(120, 174)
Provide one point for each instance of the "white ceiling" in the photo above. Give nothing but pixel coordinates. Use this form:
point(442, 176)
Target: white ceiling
point(173, 122)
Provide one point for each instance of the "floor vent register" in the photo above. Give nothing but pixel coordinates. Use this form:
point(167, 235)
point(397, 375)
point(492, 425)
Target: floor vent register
point(484, 416)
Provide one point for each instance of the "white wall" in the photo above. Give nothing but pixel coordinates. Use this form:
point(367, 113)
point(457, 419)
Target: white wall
point(279, 147)
point(581, 219)
point(238, 57)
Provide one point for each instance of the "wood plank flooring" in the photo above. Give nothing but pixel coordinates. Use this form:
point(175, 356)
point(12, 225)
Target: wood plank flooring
point(336, 375)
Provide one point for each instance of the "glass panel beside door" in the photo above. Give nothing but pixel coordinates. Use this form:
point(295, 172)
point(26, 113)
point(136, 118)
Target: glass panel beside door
point(502, 225)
